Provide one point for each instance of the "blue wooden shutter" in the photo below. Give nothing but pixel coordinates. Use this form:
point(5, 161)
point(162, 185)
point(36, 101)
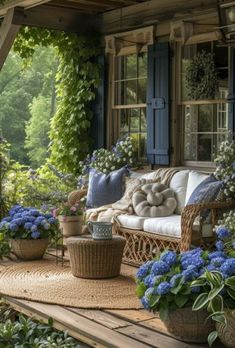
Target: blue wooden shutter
point(158, 108)
point(98, 109)
point(231, 95)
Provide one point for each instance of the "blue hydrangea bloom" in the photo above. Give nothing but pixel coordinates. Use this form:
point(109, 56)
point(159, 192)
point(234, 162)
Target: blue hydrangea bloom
point(148, 280)
point(174, 279)
point(145, 302)
point(217, 261)
point(223, 232)
point(46, 226)
point(35, 234)
point(228, 267)
point(34, 212)
point(160, 267)
point(143, 270)
point(194, 260)
point(190, 273)
point(219, 245)
point(13, 227)
point(34, 228)
point(216, 254)
point(28, 225)
point(210, 267)
point(52, 221)
point(149, 292)
point(163, 288)
point(169, 257)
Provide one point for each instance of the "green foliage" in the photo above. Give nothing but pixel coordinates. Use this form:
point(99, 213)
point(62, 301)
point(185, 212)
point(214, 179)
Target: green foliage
point(4, 165)
point(37, 129)
point(201, 77)
point(76, 80)
point(26, 333)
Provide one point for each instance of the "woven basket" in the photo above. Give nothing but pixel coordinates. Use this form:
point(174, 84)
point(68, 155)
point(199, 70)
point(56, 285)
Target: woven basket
point(95, 258)
point(29, 249)
point(226, 332)
point(188, 325)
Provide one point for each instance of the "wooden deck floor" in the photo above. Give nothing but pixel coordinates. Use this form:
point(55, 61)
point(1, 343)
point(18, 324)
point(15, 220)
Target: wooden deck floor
point(106, 328)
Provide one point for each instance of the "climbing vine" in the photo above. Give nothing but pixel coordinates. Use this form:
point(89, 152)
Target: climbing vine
point(76, 80)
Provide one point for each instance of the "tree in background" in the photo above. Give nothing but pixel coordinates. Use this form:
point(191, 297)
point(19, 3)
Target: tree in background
point(20, 86)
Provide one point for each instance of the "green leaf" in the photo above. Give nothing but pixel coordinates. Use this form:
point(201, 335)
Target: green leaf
point(231, 293)
point(199, 282)
point(163, 311)
point(215, 291)
point(179, 283)
point(230, 282)
point(217, 304)
point(154, 300)
point(180, 300)
point(140, 290)
point(212, 337)
point(50, 321)
point(200, 302)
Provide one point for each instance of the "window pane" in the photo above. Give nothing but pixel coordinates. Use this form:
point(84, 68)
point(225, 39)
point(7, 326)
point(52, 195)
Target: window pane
point(205, 113)
point(135, 120)
point(142, 83)
point(124, 124)
point(143, 146)
point(131, 66)
point(131, 92)
point(143, 125)
point(142, 61)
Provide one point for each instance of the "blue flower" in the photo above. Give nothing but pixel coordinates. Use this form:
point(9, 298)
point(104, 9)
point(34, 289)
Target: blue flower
point(174, 279)
point(52, 221)
point(163, 288)
point(190, 273)
point(223, 232)
point(34, 228)
point(216, 254)
point(13, 227)
point(143, 270)
point(160, 267)
point(148, 280)
point(35, 234)
point(149, 292)
point(219, 245)
point(34, 212)
point(6, 219)
point(210, 267)
point(46, 226)
point(145, 302)
point(28, 225)
point(194, 260)
point(217, 261)
point(228, 267)
point(169, 257)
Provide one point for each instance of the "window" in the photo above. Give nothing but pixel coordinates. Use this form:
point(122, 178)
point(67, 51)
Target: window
point(129, 99)
point(205, 121)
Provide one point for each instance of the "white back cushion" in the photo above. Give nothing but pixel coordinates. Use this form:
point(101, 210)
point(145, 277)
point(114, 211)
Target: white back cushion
point(194, 179)
point(179, 185)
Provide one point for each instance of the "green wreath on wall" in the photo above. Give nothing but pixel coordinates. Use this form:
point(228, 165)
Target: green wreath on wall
point(201, 77)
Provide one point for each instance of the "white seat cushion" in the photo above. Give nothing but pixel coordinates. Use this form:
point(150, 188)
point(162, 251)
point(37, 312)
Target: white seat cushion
point(167, 226)
point(179, 185)
point(133, 222)
point(194, 179)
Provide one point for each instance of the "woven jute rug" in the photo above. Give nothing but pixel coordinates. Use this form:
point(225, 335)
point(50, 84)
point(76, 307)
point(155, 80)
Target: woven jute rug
point(44, 281)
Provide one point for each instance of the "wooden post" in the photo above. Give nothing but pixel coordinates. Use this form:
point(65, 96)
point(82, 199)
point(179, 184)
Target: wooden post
point(8, 32)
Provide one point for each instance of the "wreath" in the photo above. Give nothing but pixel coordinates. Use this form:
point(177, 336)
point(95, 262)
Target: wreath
point(201, 77)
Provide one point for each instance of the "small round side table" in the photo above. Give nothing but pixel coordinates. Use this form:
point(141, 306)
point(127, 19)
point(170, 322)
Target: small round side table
point(96, 259)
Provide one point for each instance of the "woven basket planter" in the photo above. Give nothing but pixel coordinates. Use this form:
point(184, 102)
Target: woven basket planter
point(29, 249)
point(226, 332)
point(188, 325)
point(95, 258)
point(71, 225)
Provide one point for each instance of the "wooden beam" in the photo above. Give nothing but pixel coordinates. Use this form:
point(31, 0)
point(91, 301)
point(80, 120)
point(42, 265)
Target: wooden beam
point(22, 3)
point(46, 16)
point(150, 12)
point(8, 32)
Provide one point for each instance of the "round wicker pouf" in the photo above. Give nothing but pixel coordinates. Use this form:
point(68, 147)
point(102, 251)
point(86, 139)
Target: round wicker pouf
point(96, 259)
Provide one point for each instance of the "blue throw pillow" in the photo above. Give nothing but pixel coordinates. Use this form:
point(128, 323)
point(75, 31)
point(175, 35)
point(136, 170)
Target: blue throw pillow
point(105, 188)
point(207, 191)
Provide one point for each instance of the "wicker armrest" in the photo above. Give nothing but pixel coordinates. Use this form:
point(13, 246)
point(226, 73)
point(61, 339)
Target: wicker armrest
point(75, 196)
point(190, 212)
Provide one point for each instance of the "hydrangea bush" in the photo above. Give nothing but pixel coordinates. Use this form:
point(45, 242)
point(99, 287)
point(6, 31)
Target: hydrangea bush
point(225, 167)
point(28, 223)
point(106, 161)
point(170, 281)
point(70, 210)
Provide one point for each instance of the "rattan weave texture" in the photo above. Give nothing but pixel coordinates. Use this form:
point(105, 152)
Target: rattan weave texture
point(43, 281)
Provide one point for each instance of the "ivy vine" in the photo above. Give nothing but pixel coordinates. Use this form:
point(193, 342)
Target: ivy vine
point(76, 80)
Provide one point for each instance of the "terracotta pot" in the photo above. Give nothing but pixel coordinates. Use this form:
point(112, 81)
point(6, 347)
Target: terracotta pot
point(71, 225)
point(226, 332)
point(29, 249)
point(188, 325)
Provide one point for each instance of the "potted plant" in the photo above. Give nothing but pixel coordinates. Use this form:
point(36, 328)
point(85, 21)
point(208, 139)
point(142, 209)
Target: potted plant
point(70, 218)
point(164, 286)
point(217, 285)
point(28, 231)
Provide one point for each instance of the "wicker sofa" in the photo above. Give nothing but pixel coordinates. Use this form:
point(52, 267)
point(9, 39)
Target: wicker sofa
point(147, 236)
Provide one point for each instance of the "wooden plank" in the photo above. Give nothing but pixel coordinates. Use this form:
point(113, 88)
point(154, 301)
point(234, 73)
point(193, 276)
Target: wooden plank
point(133, 316)
point(56, 18)
point(86, 328)
point(150, 12)
point(8, 32)
point(99, 316)
point(22, 3)
point(154, 339)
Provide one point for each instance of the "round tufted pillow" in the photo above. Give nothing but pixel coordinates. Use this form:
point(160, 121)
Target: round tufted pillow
point(154, 200)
